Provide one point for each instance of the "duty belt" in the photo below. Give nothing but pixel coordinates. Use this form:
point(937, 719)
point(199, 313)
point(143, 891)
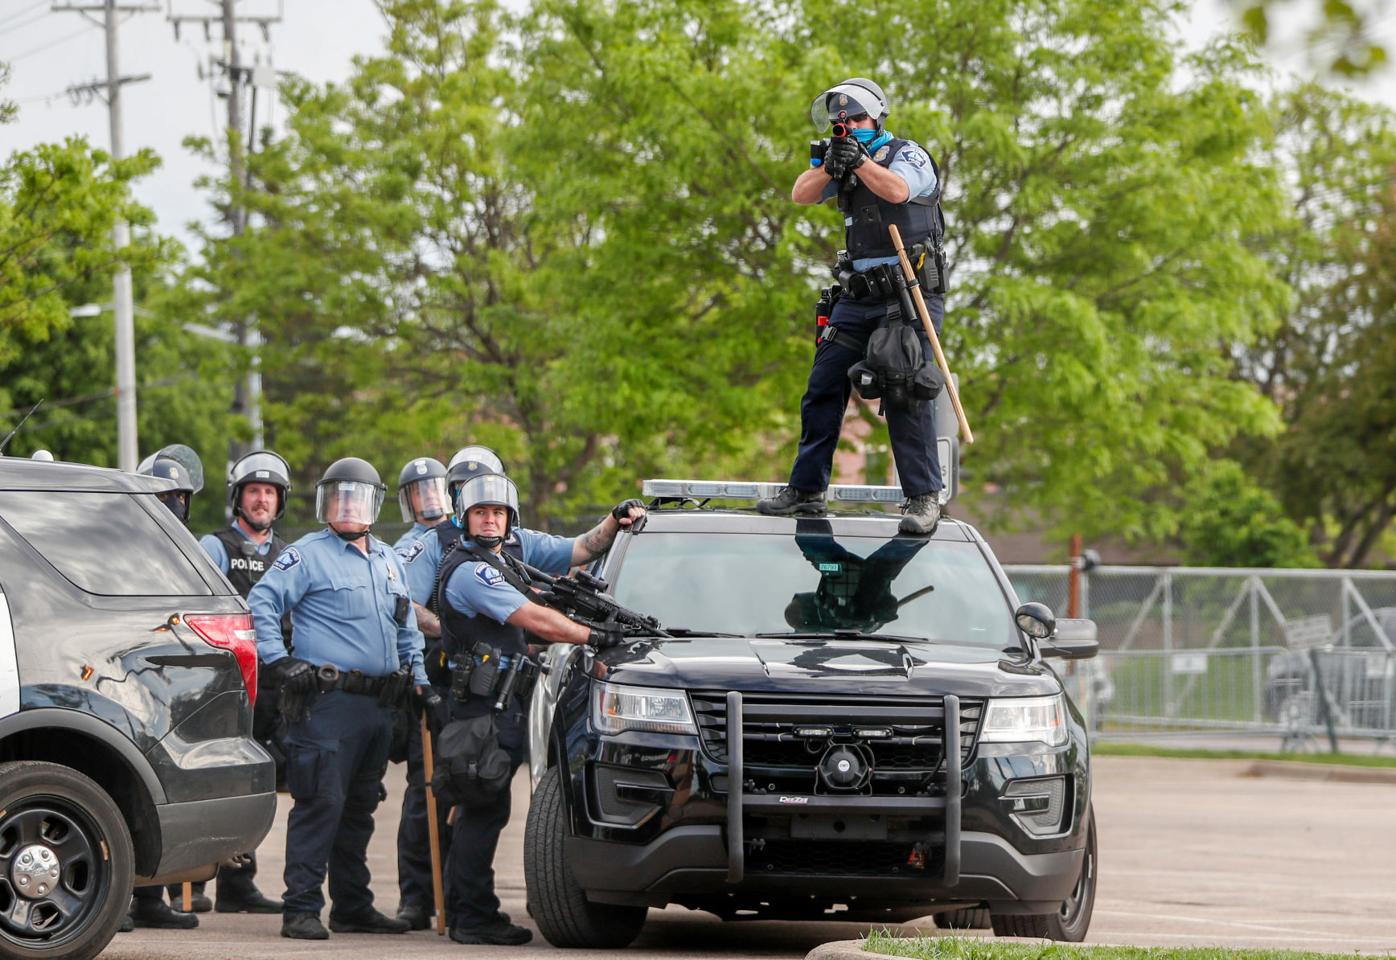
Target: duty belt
point(328, 677)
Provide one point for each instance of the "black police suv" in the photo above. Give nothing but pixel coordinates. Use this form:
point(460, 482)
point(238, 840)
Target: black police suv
point(127, 676)
point(841, 723)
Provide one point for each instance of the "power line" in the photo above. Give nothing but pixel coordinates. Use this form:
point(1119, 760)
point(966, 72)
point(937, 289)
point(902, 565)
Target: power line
point(12, 28)
point(21, 14)
point(47, 46)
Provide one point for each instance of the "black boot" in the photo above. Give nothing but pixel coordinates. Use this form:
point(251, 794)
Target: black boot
point(157, 915)
point(249, 900)
point(498, 933)
point(303, 926)
point(416, 916)
point(198, 900)
point(790, 500)
point(370, 921)
point(921, 514)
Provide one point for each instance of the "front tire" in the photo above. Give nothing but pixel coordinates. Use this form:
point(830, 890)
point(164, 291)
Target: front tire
point(966, 918)
point(65, 863)
point(559, 906)
point(1073, 919)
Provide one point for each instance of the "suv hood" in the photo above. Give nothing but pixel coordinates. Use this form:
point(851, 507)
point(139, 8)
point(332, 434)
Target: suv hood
point(836, 667)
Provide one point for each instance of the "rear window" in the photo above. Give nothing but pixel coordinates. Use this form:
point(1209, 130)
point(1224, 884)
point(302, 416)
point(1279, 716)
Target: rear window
point(104, 543)
point(813, 582)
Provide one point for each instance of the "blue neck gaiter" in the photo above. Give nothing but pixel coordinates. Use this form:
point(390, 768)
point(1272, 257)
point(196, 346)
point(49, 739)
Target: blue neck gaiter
point(870, 138)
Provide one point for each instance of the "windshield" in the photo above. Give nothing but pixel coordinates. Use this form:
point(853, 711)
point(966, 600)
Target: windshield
point(814, 583)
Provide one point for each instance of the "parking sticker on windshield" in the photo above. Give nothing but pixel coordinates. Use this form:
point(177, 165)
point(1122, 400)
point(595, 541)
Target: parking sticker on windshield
point(830, 568)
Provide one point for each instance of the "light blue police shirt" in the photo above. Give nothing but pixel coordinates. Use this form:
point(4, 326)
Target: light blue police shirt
point(219, 554)
point(913, 165)
point(421, 559)
point(413, 534)
point(476, 587)
point(341, 603)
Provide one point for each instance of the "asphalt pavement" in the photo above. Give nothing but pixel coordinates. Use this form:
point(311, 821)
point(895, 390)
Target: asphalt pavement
point(1192, 852)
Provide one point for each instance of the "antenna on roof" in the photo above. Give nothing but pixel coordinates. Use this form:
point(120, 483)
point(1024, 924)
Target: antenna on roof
point(11, 434)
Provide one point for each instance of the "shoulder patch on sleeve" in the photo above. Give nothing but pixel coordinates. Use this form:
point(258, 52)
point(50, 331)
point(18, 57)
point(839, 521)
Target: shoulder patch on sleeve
point(408, 554)
point(914, 156)
point(288, 559)
point(488, 575)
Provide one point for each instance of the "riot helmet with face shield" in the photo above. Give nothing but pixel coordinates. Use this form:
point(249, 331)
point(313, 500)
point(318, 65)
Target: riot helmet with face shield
point(847, 100)
point(259, 466)
point(168, 468)
point(349, 496)
point(421, 490)
point(471, 461)
point(487, 490)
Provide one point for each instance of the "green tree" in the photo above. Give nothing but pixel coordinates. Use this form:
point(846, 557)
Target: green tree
point(569, 233)
point(1234, 522)
point(1329, 366)
point(1342, 34)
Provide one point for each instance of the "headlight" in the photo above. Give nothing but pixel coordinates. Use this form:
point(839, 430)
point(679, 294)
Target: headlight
point(1025, 720)
point(617, 708)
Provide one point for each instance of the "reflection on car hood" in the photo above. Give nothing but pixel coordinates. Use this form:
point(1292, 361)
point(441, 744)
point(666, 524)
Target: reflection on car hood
point(835, 667)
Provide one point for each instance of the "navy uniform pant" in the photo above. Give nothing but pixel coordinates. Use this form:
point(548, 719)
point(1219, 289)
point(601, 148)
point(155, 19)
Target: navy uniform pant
point(336, 759)
point(911, 428)
point(413, 840)
point(470, 896)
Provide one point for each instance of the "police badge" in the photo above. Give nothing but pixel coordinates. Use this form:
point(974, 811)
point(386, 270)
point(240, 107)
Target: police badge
point(881, 154)
point(843, 99)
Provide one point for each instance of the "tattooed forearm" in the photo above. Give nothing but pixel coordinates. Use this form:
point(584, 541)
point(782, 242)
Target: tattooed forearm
point(427, 622)
point(596, 541)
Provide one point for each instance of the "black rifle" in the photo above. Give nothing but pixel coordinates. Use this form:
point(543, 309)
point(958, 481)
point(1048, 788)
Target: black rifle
point(583, 598)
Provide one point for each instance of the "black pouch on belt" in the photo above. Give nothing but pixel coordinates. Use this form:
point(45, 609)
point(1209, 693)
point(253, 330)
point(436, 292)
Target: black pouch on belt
point(401, 607)
point(395, 688)
point(482, 679)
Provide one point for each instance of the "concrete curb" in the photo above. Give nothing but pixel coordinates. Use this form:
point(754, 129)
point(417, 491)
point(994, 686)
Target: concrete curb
point(842, 950)
point(1320, 771)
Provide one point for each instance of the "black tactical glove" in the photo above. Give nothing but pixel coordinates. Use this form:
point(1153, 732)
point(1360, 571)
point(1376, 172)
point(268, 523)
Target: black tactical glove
point(426, 700)
point(842, 156)
point(606, 636)
point(621, 511)
point(295, 675)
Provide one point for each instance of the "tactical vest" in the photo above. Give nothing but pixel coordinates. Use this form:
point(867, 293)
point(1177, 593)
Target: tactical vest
point(460, 633)
point(448, 535)
point(866, 216)
point(245, 566)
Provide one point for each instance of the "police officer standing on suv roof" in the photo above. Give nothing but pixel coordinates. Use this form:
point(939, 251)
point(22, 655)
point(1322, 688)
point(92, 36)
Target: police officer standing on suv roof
point(485, 599)
point(358, 657)
point(178, 464)
point(879, 180)
point(258, 485)
point(423, 558)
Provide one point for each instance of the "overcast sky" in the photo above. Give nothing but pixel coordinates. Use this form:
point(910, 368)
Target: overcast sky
point(48, 51)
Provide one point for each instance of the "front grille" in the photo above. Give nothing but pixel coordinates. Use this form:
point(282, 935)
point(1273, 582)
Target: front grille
point(772, 749)
point(863, 859)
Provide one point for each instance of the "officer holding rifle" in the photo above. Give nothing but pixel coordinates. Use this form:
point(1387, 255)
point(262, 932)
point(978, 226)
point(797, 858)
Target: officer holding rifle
point(488, 617)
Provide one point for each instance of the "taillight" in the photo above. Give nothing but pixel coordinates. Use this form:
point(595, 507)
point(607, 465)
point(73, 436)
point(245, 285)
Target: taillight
point(231, 631)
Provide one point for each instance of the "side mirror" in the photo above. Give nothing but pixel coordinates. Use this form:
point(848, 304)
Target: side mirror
point(1036, 620)
point(1075, 639)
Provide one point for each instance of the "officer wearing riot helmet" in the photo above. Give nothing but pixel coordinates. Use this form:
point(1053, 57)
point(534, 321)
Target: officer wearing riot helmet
point(358, 657)
point(421, 494)
point(258, 485)
point(423, 558)
point(879, 180)
point(182, 467)
point(488, 618)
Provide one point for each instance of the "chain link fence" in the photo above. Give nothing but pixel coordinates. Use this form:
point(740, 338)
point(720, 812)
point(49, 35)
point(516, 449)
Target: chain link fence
point(1305, 657)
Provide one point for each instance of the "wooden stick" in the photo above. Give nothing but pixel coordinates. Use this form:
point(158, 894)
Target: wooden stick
point(188, 891)
point(433, 834)
point(931, 333)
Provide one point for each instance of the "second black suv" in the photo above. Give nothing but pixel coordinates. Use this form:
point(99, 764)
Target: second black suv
point(842, 723)
point(127, 673)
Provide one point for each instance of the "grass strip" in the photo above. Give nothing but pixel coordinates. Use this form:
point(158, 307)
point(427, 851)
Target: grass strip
point(964, 948)
point(1110, 749)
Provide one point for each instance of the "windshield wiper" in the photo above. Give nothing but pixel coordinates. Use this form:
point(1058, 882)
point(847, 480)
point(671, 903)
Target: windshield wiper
point(696, 632)
point(840, 635)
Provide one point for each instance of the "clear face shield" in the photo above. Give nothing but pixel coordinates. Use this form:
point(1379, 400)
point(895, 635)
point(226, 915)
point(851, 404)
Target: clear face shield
point(423, 499)
point(487, 490)
point(846, 100)
point(261, 467)
point(182, 455)
point(348, 502)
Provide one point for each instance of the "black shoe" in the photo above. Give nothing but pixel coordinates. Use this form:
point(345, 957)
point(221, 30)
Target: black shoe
point(157, 915)
point(127, 924)
point(303, 926)
point(416, 916)
point(370, 921)
point(790, 500)
point(250, 902)
point(498, 934)
point(920, 514)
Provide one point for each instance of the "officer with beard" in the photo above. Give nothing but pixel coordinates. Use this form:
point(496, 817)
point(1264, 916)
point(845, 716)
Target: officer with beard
point(484, 599)
point(258, 485)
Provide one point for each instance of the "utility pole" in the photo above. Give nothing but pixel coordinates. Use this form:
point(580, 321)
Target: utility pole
point(126, 455)
point(247, 394)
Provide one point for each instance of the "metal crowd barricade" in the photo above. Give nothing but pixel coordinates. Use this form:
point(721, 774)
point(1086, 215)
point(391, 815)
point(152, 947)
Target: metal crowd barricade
point(1305, 656)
